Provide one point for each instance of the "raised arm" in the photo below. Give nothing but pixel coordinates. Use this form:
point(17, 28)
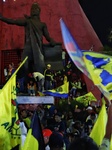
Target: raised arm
point(19, 22)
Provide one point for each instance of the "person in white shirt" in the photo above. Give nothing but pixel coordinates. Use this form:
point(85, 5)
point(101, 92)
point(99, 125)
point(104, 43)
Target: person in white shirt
point(39, 78)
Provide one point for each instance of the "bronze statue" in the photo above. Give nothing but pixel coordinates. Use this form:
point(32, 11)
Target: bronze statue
point(34, 32)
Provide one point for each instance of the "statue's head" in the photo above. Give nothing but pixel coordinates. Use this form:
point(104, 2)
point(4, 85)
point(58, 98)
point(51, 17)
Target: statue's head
point(35, 9)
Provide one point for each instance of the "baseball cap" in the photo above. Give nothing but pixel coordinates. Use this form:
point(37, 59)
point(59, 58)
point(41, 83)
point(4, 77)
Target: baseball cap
point(46, 132)
point(48, 65)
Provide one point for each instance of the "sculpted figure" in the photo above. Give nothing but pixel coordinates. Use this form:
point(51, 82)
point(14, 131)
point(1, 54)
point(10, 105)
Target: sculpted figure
point(34, 32)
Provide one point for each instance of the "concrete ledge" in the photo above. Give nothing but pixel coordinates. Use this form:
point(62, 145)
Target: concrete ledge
point(35, 99)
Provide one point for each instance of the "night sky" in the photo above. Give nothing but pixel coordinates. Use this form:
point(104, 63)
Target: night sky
point(99, 13)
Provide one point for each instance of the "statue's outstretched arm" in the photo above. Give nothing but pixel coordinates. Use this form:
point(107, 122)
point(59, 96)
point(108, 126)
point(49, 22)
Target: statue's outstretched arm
point(19, 22)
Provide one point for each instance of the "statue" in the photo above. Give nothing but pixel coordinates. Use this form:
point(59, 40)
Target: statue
point(34, 32)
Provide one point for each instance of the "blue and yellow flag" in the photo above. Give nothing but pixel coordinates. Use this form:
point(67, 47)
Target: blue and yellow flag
point(61, 91)
point(10, 135)
point(95, 66)
point(85, 99)
point(34, 139)
point(99, 67)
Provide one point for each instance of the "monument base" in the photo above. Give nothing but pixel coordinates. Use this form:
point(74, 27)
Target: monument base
point(53, 56)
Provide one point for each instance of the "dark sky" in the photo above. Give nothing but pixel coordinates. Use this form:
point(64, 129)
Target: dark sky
point(99, 13)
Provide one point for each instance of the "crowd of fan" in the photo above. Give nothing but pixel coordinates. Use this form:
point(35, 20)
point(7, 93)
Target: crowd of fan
point(36, 82)
point(68, 128)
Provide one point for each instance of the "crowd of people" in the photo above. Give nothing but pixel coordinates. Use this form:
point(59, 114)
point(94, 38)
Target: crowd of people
point(68, 128)
point(73, 124)
point(36, 82)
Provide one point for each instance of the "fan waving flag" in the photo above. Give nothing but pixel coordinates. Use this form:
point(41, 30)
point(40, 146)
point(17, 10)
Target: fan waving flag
point(73, 49)
point(34, 139)
point(61, 91)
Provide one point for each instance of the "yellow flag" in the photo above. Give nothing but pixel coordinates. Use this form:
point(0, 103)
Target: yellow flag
point(31, 142)
point(34, 139)
point(9, 126)
point(41, 94)
point(98, 131)
point(85, 99)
